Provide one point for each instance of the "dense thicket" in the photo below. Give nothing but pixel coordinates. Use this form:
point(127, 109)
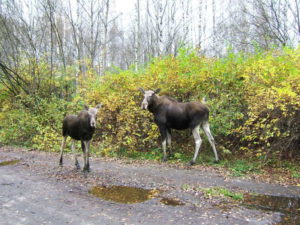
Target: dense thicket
point(254, 102)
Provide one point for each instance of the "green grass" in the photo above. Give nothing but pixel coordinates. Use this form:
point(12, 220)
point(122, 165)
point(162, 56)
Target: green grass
point(296, 174)
point(186, 187)
point(157, 155)
point(154, 154)
point(293, 168)
point(223, 192)
point(242, 167)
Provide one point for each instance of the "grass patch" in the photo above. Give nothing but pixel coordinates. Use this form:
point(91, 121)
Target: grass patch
point(295, 174)
point(186, 187)
point(154, 154)
point(242, 167)
point(222, 192)
point(292, 167)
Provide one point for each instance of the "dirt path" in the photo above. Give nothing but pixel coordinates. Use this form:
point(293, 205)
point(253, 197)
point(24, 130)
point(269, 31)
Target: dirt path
point(37, 191)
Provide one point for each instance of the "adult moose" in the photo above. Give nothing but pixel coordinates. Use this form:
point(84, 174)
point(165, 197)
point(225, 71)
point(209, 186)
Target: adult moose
point(80, 127)
point(171, 114)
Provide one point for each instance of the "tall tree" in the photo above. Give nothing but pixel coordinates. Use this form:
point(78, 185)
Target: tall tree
point(137, 34)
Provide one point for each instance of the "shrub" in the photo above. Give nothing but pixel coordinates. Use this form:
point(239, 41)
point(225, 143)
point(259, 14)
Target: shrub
point(123, 125)
point(253, 99)
point(272, 122)
point(33, 116)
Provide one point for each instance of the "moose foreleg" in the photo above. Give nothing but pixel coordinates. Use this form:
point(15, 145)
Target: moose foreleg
point(86, 154)
point(63, 144)
point(163, 133)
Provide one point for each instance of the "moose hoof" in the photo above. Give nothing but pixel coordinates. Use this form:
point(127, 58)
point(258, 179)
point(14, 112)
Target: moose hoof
point(164, 159)
point(171, 154)
point(190, 163)
point(77, 167)
point(60, 163)
point(87, 170)
point(216, 161)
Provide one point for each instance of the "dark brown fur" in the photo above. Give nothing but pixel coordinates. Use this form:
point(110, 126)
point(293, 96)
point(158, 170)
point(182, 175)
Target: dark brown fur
point(170, 114)
point(80, 127)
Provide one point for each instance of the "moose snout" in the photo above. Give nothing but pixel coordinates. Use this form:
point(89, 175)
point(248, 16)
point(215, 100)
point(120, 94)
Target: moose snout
point(93, 124)
point(144, 106)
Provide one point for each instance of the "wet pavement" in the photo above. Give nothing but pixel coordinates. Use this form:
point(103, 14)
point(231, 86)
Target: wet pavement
point(288, 206)
point(36, 191)
point(123, 194)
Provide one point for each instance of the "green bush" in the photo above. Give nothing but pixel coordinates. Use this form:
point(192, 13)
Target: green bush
point(272, 121)
point(33, 117)
point(253, 99)
point(123, 125)
point(38, 127)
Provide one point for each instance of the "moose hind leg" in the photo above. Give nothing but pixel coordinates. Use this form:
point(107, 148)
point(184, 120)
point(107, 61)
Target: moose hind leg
point(198, 142)
point(84, 155)
point(169, 142)
point(63, 144)
point(211, 139)
point(75, 155)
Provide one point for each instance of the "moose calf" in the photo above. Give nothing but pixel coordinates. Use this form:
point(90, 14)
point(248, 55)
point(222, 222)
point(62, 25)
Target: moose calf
point(80, 127)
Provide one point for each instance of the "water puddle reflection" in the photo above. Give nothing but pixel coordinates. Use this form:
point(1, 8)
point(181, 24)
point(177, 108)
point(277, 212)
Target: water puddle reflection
point(289, 206)
point(123, 194)
point(130, 195)
point(10, 162)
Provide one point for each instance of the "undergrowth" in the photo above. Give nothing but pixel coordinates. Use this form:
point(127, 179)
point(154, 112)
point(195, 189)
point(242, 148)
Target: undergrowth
point(254, 102)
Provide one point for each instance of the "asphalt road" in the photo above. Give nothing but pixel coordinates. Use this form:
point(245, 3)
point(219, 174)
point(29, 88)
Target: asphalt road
point(37, 191)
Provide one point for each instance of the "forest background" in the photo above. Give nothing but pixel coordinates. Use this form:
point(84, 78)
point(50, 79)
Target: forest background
point(243, 56)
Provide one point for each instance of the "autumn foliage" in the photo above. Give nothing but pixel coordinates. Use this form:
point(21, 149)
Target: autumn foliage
point(254, 103)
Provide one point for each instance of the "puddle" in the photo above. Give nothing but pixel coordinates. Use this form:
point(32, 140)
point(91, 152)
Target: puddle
point(171, 201)
point(10, 162)
point(130, 195)
point(123, 194)
point(290, 207)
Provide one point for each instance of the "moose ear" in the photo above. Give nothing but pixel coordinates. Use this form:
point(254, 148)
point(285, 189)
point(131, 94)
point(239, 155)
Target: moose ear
point(86, 107)
point(157, 91)
point(98, 106)
point(142, 90)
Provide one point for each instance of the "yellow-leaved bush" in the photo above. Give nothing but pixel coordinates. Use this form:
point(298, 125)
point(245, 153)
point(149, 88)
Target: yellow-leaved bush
point(272, 125)
point(124, 126)
point(253, 101)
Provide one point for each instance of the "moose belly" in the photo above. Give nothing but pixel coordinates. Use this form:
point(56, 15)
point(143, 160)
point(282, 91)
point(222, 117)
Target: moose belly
point(178, 124)
point(83, 135)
